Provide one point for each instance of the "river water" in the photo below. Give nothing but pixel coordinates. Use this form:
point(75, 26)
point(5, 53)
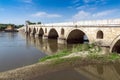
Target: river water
point(17, 50)
point(86, 72)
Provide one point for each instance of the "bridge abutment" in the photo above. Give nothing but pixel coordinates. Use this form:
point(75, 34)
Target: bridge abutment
point(61, 41)
point(31, 34)
point(45, 37)
point(36, 35)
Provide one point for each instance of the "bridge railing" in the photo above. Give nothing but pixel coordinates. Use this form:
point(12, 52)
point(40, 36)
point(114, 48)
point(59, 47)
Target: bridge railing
point(111, 22)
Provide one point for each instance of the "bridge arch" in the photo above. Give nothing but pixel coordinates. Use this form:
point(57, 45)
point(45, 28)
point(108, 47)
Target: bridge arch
point(53, 34)
point(34, 31)
point(100, 34)
point(45, 30)
point(62, 31)
point(37, 29)
point(29, 30)
point(115, 45)
point(77, 36)
point(41, 32)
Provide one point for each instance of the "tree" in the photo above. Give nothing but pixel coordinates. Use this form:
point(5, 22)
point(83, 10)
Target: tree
point(29, 22)
point(38, 22)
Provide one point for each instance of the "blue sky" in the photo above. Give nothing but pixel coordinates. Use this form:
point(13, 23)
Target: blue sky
point(50, 11)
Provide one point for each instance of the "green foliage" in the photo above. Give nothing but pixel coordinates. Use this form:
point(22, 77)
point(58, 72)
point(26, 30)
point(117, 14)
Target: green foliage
point(66, 60)
point(110, 57)
point(38, 22)
point(82, 47)
point(57, 55)
point(86, 47)
point(19, 26)
point(93, 53)
point(30, 23)
point(113, 56)
point(3, 26)
point(94, 56)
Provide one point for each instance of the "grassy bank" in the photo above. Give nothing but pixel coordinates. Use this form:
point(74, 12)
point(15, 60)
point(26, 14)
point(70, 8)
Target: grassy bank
point(88, 52)
point(79, 55)
point(63, 60)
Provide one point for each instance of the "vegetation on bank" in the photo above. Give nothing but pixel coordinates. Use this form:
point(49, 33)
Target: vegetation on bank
point(4, 26)
point(91, 48)
point(65, 52)
point(32, 23)
point(58, 55)
point(94, 53)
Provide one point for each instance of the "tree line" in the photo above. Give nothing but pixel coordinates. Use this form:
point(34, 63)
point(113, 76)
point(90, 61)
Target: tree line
point(4, 26)
point(30, 23)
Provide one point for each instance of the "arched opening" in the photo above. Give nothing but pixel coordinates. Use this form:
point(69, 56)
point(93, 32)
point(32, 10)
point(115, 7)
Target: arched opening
point(37, 29)
point(99, 34)
point(62, 31)
point(77, 36)
point(29, 31)
point(34, 31)
point(45, 30)
point(53, 34)
point(41, 32)
point(116, 47)
point(52, 48)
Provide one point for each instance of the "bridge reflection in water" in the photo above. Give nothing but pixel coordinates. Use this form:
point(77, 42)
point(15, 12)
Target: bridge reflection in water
point(87, 72)
point(49, 46)
point(78, 72)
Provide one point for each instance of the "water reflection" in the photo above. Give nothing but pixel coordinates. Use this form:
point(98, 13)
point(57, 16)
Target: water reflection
point(100, 72)
point(49, 46)
point(99, 69)
point(117, 67)
point(89, 72)
point(15, 52)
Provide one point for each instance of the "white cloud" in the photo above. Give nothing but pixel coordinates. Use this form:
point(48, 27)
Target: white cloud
point(95, 1)
point(86, 1)
point(83, 15)
point(27, 1)
point(45, 15)
point(75, 1)
point(103, 13)
point(82, 7)
point(88, 4)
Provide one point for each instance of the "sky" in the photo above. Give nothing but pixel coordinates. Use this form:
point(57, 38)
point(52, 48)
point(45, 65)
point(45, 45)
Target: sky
point(52, 11)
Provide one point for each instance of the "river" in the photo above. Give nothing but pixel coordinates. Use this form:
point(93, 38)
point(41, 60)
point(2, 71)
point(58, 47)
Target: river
point(18, 50)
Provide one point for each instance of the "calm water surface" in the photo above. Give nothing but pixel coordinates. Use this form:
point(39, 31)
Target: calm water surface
point(17, 50)
point(86, 72)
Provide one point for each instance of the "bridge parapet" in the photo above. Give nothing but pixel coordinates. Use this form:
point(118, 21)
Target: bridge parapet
point(111, 22)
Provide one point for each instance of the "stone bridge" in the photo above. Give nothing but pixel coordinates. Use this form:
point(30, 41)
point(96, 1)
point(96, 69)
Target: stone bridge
point(104, 33)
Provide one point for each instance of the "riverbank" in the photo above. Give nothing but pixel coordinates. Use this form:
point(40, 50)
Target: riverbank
point(81, 56)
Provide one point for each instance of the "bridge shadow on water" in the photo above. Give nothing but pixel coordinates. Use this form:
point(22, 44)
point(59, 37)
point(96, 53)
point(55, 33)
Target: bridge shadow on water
point(84, 72)
point(50, 46)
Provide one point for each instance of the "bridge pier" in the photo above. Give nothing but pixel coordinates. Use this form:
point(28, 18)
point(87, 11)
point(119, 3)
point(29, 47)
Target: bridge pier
point(62, 41)
point(45, 37)
point(31, 34)
point(36, 35)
